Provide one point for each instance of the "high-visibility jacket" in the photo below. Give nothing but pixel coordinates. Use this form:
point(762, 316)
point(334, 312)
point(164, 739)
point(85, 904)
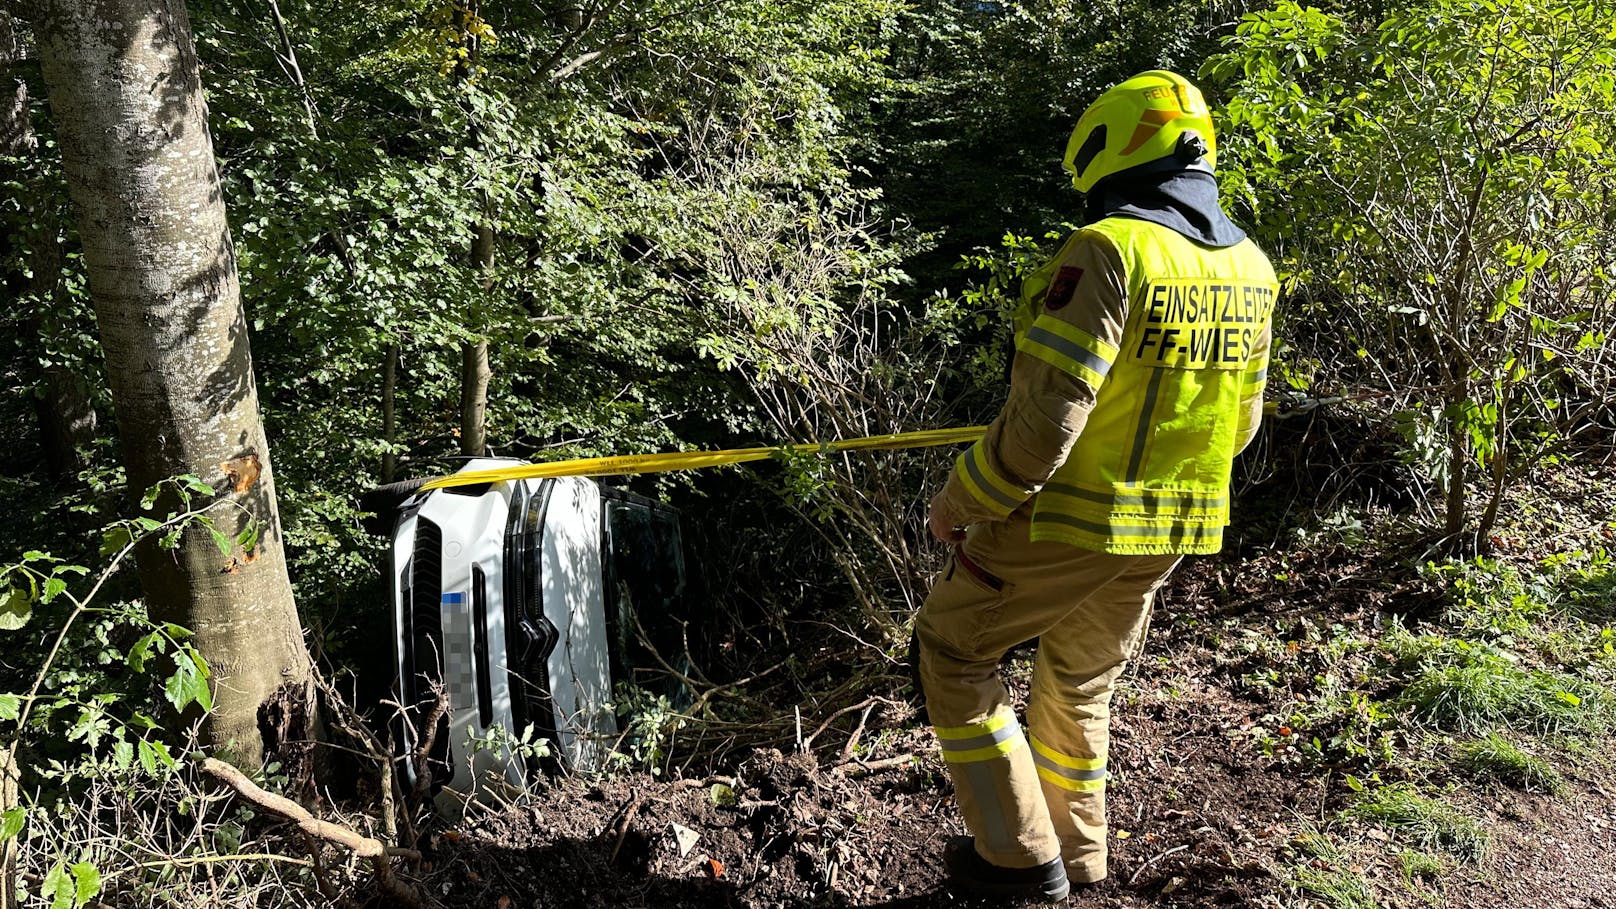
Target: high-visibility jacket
point(1141, 361)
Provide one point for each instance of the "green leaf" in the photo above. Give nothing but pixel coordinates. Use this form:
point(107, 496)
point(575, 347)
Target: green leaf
point(202, 693)
point(58, 888)
point(149, 500)
point(123, 754)
point(88, 726)
point(15, 609)
point(115, 539)
point(1353, 783)
point(222, 540)
point(148, 757)
point(86, 883)
point(10, 707)
point(54, 587)
point(195, 484)
point(248, 538)
point(11, 821)
point(142, 650)
point(189, 683)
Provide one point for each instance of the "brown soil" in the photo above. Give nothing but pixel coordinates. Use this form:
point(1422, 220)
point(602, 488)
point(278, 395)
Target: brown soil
point(1201, 816)
point(1547, 851)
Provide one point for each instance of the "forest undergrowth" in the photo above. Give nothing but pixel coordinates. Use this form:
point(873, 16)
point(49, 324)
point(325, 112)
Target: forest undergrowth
point(1325, 714)
point(563, 230)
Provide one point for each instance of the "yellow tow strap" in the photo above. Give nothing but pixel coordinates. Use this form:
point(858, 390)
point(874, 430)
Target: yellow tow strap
point(621, 465)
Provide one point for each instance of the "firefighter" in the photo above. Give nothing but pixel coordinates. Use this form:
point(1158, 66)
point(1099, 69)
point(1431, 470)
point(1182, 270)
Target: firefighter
point(1141, 355)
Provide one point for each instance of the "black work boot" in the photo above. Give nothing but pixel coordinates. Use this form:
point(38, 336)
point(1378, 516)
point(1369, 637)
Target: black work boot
point(980, 877)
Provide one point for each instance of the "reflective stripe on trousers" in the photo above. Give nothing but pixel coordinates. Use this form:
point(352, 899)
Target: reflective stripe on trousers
point(1030, 797)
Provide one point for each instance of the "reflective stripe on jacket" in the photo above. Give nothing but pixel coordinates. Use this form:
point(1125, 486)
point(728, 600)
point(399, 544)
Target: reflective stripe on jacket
point(1141, 361)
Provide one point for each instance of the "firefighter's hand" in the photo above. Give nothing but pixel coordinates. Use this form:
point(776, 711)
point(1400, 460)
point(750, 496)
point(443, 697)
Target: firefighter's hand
point(942, 525)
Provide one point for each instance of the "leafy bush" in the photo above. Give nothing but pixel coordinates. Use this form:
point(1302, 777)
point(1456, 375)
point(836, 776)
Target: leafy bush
point(102, 687)
point(1457, 236)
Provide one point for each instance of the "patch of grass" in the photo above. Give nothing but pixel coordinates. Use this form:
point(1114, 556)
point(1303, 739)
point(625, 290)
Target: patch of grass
point(1338, 889)
point(1421, 866)
point(1479, 697)
point(1477, 687)
point(1491, 598)
point(1426, 822)
point(1422, 870)
point(1327, 876)
point(1494, 757)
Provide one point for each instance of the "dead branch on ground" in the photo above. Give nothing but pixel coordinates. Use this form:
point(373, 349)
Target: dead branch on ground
point(363, 846)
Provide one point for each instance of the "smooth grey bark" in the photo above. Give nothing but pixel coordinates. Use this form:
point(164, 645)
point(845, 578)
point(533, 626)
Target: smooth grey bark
point(126, 98)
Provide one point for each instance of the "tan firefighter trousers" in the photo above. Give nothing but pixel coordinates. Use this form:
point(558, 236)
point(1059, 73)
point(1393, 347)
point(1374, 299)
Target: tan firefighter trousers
point(1030, 798)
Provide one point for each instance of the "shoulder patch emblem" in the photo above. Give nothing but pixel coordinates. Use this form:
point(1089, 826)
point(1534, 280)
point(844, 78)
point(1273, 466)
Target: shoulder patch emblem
point(1061, 289)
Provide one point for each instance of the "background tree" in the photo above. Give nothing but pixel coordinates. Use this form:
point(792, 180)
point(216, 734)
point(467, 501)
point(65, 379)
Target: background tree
point(31, 252)
point(126, 96)
point(1459, 237)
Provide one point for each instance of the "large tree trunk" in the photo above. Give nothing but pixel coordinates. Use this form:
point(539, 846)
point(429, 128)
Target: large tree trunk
point(126, 96)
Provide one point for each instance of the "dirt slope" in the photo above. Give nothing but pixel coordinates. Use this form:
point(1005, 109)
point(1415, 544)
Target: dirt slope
point(1203, 812)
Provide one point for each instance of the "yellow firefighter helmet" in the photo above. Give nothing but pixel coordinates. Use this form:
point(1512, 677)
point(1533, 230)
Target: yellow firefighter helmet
point(1156, 116)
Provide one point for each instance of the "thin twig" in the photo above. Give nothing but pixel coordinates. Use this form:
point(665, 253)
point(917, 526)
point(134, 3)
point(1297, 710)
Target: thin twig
point(852, 740)
point(1173, 851)
point(856, 766)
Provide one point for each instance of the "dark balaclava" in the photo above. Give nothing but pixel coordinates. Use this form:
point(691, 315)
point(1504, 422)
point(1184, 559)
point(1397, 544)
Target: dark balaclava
point(1181, 199)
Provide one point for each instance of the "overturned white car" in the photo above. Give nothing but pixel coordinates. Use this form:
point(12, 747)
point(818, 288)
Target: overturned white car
point(516, 606)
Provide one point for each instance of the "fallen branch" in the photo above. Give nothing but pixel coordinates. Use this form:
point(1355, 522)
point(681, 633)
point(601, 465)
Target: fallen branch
point(681, 785)
point(849, 751)
point(622, 831)
point(361, 845)
point(425, 741)
point(867, 702)
point(857, 766)
point(1141, 870)
point(348, 721)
